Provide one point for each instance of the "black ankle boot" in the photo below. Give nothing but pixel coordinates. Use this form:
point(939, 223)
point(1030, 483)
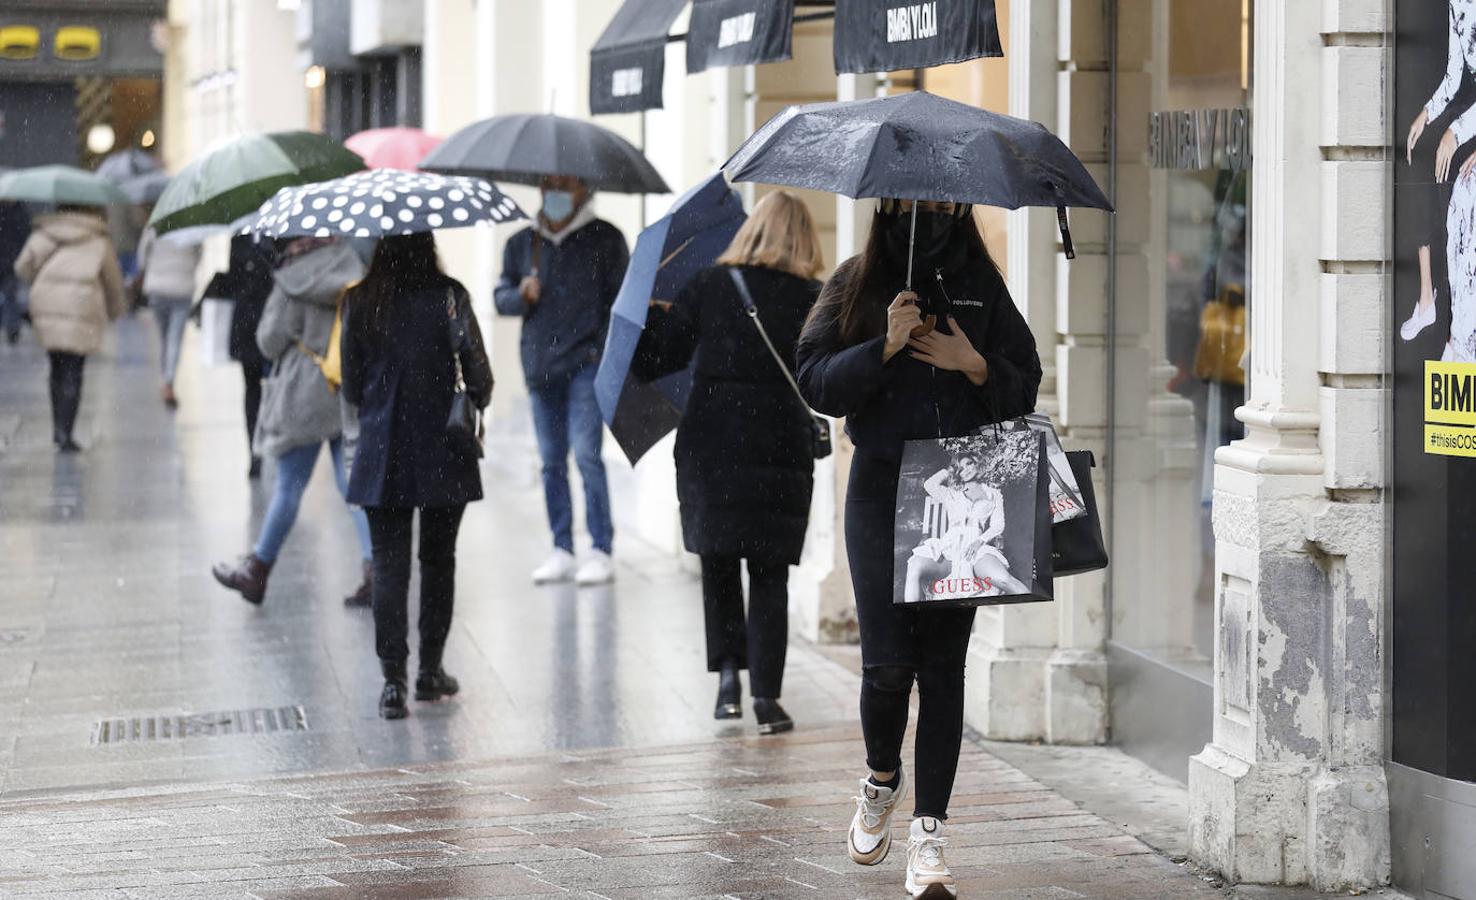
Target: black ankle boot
point(433, 684)
point(392, 698)
point(772, 719)
point(730, 692)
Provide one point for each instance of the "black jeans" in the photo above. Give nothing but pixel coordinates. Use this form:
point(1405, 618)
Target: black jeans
point(253, 371)
point(390, 531)
point(900, 645)
point(66, 392)
point(758, 641)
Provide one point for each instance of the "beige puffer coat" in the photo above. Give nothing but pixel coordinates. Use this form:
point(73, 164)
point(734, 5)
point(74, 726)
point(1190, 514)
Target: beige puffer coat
point(76, 285)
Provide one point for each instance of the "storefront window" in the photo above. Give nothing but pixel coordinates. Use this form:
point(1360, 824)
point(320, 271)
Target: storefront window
point(1180, 355)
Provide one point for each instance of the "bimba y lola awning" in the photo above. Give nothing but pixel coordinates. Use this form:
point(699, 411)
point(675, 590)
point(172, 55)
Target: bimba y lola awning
point(628, 62)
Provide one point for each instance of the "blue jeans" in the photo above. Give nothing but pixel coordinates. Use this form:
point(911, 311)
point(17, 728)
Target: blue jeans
point(294, 470)
point(171, 314)
point(564, 414)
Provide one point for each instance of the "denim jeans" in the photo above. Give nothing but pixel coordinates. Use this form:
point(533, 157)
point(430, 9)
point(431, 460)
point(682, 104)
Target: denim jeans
point(171, 314)
point(566, 414)
point(294, 470)
point(12, 303)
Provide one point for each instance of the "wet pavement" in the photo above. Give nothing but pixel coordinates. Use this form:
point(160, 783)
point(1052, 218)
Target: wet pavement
point(581, 757)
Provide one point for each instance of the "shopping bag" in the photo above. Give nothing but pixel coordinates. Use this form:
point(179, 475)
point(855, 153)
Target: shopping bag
point(1065, 495)
point(215, 331)
point(973, 522)
point(1077, 545)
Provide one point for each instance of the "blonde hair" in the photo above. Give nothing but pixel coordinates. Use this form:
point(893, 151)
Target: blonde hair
point(780, 234)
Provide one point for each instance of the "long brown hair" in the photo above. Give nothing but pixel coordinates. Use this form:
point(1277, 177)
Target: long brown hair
point(874, 277)
point(400, 264)
point(779, 235)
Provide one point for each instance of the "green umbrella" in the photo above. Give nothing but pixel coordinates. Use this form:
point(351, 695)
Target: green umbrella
point(60, 185)
point(238, 178)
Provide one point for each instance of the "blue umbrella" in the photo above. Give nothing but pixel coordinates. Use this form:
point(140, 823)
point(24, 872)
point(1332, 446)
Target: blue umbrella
point(689, 238)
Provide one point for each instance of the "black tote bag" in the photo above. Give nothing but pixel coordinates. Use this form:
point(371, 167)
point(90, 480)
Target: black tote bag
point(1076, 544)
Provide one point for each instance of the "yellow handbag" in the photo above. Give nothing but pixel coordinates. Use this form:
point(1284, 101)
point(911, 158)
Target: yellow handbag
point(1222, 338)
point(330, 363)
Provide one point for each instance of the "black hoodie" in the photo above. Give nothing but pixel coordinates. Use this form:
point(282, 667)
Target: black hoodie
point(887, 404)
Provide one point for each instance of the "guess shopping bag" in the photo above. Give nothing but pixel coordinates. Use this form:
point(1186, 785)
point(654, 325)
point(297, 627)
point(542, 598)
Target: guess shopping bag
point(973, 524)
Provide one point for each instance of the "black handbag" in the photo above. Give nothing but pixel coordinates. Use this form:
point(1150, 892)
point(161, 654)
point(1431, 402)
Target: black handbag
point(464, 423)
point(820, 444)
point(1076, 544)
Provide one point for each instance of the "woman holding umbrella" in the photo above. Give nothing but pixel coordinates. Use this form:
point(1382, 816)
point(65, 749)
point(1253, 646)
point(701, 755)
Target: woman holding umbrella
point(868, 354)
point(744, 456)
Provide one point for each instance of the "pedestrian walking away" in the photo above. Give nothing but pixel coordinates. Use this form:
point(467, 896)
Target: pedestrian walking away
point(76, 289)
point(167, 268)
point(744, 454)
point(15, 228)
point(248, 284)
point(902, 365)
point(300, 411)
point(410, 342)
point(561, 277)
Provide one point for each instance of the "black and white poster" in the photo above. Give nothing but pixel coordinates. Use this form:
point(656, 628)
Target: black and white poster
point(1433, 359)
point(888, 35)
point(972, 524)
point(1066, 501)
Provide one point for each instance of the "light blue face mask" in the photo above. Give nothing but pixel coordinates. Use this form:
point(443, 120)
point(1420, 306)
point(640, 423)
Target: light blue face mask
point(557, 205)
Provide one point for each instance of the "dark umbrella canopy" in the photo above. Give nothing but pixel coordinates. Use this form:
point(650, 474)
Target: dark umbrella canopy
point(696, 231)
point(234, 180)
point(383, 203)
point(919, 146)
point(522, 149)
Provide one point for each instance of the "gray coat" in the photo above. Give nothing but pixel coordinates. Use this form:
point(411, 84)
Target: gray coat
point(297, 406)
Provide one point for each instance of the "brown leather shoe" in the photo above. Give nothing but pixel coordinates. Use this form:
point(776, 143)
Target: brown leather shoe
point(363, 596)
point(248, 577)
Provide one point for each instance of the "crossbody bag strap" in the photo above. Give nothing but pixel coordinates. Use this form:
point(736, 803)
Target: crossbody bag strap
point(453, 320)
point(752, 310)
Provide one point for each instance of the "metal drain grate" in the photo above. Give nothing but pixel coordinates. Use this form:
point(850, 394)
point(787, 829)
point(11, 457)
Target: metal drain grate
point(268, 720)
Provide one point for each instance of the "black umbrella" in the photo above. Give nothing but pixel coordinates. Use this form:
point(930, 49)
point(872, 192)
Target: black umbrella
point(524, 148)
point(918, 146)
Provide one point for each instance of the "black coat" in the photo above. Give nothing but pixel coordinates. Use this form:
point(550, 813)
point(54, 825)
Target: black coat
point(247, 281)
point(744, 463)
point(888, 404)
point(402, 376)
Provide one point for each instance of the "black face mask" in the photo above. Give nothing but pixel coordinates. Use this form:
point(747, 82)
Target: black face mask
point(935, 231)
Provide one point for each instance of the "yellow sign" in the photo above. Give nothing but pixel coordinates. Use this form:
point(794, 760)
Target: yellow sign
point(1450, 408)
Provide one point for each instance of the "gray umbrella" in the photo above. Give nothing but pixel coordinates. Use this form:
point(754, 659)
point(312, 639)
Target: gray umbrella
point(918, 146)
point(126, 164)
point(523, 148)
point(146, 188)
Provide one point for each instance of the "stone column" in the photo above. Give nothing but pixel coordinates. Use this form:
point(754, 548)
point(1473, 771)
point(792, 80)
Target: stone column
point(1291, 789)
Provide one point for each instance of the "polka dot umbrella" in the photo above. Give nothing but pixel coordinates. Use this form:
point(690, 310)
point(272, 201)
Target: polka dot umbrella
point(382, 203)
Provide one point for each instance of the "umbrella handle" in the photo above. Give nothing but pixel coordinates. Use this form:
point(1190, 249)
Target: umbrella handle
point(911, 244)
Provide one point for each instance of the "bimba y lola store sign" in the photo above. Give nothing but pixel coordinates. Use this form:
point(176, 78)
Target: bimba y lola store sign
point(1450, 408)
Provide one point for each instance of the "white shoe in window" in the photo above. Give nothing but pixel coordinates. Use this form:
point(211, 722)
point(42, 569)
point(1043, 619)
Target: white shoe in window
point(928, 877)
point(1418, 321)
point(598, 569)
point(559, 566)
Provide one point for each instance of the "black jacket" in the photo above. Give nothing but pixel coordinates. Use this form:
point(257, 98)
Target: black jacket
point(580, 277)
point(888, 404)
point(402, 378)
point(743, 449)
point(247, 281)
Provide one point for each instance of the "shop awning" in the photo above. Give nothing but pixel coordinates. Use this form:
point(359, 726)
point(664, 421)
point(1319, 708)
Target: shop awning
point(888, 35)
point(727, 33)
point(628, 62)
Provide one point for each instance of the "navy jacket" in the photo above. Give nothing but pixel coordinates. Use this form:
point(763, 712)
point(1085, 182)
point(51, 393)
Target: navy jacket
point(565, 329)
point(403, 384)
point(903, 399)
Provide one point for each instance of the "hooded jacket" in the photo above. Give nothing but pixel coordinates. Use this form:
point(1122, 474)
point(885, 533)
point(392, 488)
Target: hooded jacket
point(76, 285)
point(298, 407)
point(580, 276)
point(168, 267)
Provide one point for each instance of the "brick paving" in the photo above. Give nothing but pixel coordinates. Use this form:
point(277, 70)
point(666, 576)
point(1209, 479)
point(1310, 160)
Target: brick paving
point(738, 818)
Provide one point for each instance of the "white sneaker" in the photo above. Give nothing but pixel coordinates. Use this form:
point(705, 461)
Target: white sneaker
point(558, 567)
point(1418, 321)
point(928, 877)
point(871, 835)
point(598, 569)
